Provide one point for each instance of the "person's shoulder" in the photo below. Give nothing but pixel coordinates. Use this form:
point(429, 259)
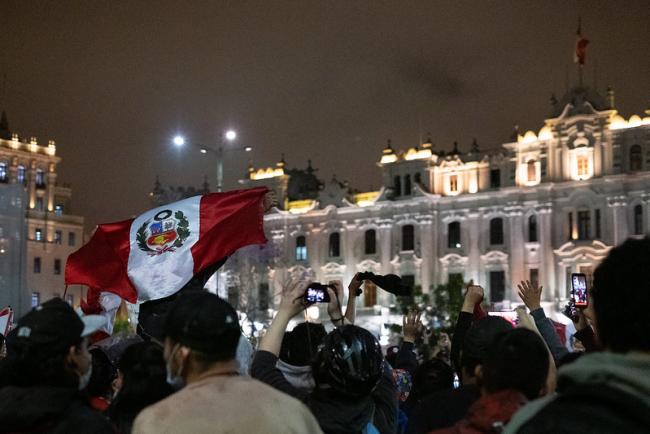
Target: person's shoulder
point(264, 390)
point(156, 414)
point(79, 416)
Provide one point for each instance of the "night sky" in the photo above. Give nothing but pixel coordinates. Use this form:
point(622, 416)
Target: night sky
point(113, 81)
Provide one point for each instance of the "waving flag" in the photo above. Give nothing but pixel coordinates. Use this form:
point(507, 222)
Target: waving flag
point(581, 46)
point(157, 253)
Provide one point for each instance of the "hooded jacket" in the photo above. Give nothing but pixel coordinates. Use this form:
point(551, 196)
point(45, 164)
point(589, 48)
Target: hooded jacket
point(300, 377)
point(599, 393)
point(489, 414)
point(52, 410)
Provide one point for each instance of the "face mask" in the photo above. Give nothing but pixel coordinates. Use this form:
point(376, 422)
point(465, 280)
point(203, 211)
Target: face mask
point(84, 379)
point(174, 380)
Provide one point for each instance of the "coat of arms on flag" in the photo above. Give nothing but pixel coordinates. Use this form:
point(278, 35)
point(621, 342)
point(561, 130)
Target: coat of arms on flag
point(165, 233)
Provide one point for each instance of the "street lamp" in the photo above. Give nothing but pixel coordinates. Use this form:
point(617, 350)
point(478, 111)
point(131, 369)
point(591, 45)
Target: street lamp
point(229, 136)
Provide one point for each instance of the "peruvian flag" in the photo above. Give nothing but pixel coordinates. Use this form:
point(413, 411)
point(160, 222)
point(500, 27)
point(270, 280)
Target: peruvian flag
point(581, 46)
point(157, 253)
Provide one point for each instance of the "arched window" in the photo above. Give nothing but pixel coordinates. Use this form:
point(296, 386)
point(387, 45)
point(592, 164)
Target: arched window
point(3, 172)
point(407, 185)
point(532, 171)
point(532, 229)
point(370, 242)
point(453, 235)
point(397, 184)
point(335, 245)
point(638, 220)
point(636, 158)
point(301, 248)
point(40, 178)
point(408, 238)
point(453, 183)
point(496, 231)
point(20, 175)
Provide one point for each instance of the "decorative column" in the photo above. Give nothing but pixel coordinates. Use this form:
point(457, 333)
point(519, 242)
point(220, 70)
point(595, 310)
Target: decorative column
point(618, 205)
point(546, 255)
point(350, 234)
point(426, 251)
point(51, 184)
point(474, 250)
point(385, 244)
point(516, 254)
point(646, 212)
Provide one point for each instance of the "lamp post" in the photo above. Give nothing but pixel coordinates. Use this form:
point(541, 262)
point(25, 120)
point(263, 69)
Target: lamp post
point(228, 137)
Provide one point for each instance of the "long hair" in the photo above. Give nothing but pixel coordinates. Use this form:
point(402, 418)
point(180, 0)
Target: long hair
point(143, 383)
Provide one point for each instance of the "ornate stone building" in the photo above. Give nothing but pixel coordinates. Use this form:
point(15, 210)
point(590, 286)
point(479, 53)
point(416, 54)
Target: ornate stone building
point(51, 232)
point(539, 207)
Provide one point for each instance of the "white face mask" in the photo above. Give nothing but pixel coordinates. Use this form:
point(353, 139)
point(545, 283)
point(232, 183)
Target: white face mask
point(84, 379)
point(174, 380)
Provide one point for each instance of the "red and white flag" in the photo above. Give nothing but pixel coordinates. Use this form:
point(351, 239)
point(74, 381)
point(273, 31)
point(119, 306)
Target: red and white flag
point(157, 253)
point(580, 53)
point(6, 320)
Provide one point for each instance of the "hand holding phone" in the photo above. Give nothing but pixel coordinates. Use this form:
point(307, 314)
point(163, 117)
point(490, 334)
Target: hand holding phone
point(316, 293)
point(579, 290)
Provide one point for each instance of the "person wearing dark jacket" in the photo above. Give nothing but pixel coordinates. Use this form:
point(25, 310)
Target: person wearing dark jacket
point(609, 391)
point(444, 408)
point(354, 387)
point(46, 367)
point(513, 371)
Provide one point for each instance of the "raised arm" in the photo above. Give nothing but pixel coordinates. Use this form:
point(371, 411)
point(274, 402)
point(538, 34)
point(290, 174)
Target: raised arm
point(473, 296)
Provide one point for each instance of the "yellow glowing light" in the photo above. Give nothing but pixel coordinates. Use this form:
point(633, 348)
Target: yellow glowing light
point(388, 158)
point(415, 154)
point(635, 121)
point(366, 198)
point(267, 173)
point(582, 166)
point(301, 206)
point(529, 137)
point(545, 133)
point(617, 122)
point(51, 148)
point(473, 185)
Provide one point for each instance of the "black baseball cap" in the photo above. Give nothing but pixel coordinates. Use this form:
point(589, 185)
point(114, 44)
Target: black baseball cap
point(55, 324)
point(204, 322)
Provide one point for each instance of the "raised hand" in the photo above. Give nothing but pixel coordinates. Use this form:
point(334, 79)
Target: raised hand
point(292, 301)
point(473, 296)
point(411, 325)
point(530, 294)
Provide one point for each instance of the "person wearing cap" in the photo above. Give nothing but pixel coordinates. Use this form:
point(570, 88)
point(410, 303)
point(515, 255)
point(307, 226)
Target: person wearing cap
point(201, 333)
point(46, 367)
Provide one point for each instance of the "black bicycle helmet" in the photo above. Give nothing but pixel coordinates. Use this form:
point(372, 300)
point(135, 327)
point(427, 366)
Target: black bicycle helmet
point(350, 361)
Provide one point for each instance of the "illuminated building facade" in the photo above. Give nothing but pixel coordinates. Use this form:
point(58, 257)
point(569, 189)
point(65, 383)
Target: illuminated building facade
point(539, 207)
point(51, 231)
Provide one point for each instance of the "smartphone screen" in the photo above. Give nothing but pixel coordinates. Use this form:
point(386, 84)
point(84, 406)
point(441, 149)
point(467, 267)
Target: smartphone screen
point(579, 289)
point(316, 295)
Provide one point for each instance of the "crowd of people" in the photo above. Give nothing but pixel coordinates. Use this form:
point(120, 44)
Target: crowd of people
point(193, 371)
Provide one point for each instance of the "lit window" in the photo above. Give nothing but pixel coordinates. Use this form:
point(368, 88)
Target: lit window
point(58, 236)
point(582, 165)
point(39, 204)
point(301, 248)
point(370, 242)
point(453, 183)
point(531, 171)
point(3, 172)
point(408, 237)
point(335, 245)
point(20, 175)
point(57, 267)
point(36, 299)
point(58, 209)
point(40, 178)
point(38, 234)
